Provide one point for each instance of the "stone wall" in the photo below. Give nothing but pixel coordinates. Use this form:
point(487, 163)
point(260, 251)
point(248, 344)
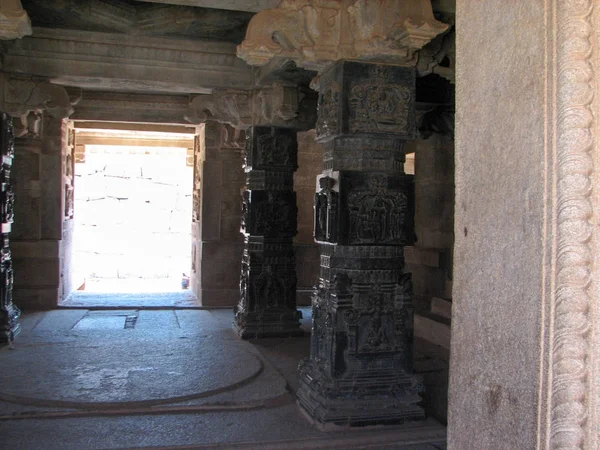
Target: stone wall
point(43, 228)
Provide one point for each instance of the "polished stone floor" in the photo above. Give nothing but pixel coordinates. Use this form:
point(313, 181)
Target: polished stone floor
point(139, 378)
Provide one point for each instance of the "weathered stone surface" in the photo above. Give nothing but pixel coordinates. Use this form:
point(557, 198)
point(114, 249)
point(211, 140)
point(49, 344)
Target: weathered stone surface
point(125, 63)
point(279, 104)
point(315, 33)
point(14, 21)
point(526, 228)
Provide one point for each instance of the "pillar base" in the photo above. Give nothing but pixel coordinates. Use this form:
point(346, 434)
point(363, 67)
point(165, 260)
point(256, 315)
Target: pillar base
point(268, 323)
point(389, 397)
point(9, 324)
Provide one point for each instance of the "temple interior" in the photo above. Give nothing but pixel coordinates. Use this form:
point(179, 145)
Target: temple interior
point(257, 224)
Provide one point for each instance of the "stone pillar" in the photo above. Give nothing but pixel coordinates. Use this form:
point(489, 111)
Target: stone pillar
point(360, 369)
point(267, 305)
point(271, 115)
point(217, 243)
point(525, 352)
point(43, 184)
point(9, 313)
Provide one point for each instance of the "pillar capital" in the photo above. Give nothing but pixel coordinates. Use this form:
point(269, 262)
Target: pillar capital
point(315, 33)
point(279, 104)
point(14, 21)
point(25, 99)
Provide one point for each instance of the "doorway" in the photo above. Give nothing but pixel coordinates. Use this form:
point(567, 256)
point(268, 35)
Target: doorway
point(132, 214)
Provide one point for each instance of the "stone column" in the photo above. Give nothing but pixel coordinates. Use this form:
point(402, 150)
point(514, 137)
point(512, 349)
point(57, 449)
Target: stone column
point(360, 370)
point(43, 184)
point(271, 116)
point(217, 244)
point(9, 313)
point(267, 305)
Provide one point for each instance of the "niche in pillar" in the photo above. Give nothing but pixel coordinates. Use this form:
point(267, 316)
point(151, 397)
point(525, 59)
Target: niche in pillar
point(360, 369)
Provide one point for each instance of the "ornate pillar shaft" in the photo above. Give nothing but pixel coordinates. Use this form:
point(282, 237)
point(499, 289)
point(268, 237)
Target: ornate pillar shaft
point(9, 313)
point(267, 304)
point(360, 370)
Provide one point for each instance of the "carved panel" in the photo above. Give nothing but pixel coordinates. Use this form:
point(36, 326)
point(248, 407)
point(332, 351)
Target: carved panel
point(366, 98)
point(272, 148)
point(269, 213)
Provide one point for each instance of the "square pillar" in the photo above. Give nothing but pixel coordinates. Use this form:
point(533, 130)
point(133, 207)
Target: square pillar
point(360, 369)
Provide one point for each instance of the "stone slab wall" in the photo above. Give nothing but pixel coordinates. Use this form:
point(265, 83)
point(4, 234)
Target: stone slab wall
point(525, 348)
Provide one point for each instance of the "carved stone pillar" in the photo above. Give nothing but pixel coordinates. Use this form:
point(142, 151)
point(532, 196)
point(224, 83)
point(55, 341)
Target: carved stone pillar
point(360, 370)
point(267, 304)
point(9, 313)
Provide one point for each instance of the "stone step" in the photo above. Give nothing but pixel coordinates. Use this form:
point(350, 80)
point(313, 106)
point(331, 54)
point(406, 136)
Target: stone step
point(441, 307)
point(431, 330)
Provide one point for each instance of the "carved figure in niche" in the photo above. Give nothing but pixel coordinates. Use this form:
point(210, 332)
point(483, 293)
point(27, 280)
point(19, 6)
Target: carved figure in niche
point(326, 201)
point(269, 287)
point(378, 105)
point(8, 205)
point(7, 284)
point(377, 215)
point(69, 165)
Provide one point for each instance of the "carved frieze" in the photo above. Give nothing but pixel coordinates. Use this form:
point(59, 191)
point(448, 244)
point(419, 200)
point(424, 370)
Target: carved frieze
point(368, 99)
point(314, 33)
point(271, 148)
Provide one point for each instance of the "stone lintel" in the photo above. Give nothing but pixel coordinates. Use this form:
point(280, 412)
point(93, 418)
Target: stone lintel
point(135, 63)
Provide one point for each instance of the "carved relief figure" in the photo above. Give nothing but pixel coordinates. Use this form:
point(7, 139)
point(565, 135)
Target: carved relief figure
point(328, 106)
point(376, 215)
point(326, 201)
point(378, 105)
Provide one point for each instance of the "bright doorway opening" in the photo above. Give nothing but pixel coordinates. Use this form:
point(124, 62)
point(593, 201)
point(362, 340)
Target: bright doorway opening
point(133, 209)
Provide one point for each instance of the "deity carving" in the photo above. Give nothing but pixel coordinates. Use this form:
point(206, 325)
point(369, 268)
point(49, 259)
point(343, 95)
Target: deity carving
point(326, 205)
point(377, 214)
point(379, 105)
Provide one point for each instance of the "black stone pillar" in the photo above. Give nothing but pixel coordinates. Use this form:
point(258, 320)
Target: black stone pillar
point(267, 306)
point(9, 313)
point(360, 369)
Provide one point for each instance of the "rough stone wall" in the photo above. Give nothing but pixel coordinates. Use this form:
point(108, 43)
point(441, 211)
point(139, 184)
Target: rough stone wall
point(310, 164)
point(42, 242)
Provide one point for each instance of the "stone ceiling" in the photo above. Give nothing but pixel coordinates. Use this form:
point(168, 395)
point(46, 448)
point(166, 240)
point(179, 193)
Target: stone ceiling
point(140, 18)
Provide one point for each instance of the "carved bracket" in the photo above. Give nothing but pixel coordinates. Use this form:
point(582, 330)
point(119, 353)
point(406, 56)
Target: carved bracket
point(276, 105)
point(315, 33)
point(25, 100)
point(14, 21)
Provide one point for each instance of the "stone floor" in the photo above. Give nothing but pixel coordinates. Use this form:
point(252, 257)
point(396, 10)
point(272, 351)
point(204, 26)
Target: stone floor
point(138, 378)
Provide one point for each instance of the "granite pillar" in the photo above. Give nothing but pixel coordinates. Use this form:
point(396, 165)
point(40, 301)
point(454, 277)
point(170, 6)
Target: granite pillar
point(267, 305)
point(360, 369)
point(9, 313)
point(217, 243)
